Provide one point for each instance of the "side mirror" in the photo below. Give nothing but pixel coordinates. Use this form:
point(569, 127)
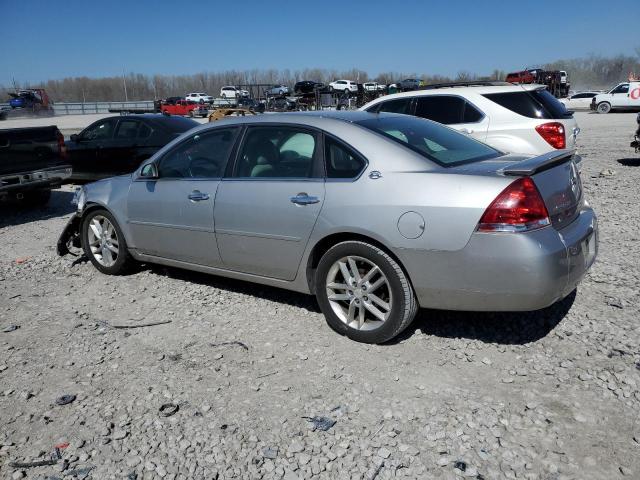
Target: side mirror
point(149, 171)
point(74, 138)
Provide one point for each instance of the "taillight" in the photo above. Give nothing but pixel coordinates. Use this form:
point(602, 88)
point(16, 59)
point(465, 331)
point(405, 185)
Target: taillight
point(553, 133)
point(518, 208)
point(62, 148)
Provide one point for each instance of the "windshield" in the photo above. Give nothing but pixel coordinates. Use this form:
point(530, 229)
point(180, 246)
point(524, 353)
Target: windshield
point(440, 144)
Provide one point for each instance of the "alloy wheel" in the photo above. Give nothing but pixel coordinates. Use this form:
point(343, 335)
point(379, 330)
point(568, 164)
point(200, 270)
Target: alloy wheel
point(103, 241)
point(359, 293)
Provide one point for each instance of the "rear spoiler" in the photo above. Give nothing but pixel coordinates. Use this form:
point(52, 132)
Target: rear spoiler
point(538, 164)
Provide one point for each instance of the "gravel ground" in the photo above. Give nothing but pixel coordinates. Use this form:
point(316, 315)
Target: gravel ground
point(553, 394)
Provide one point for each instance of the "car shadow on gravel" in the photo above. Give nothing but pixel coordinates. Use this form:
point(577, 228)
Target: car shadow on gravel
point(265, 292)
point(18, 212)
point(509, 328)
point(629, 162)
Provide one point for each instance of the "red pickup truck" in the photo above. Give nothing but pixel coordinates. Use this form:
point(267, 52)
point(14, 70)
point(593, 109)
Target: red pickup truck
point(184, 107)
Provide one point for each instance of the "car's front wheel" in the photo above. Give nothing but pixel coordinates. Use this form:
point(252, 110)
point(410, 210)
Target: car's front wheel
point(103, 242)
point(604, 107)
point(364, 293)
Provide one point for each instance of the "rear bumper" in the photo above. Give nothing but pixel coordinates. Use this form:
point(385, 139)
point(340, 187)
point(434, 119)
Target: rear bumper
point(42, 178)
point(506, 272)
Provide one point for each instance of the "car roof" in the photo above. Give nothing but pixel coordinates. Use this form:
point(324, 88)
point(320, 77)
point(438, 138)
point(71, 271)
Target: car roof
point(316, 119)
point(462, 90)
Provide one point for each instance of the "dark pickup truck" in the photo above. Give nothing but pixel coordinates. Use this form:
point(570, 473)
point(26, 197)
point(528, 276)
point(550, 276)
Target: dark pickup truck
point(32, 162)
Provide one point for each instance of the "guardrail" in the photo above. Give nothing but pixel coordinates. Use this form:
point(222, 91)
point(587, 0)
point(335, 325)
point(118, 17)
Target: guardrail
point(80, 108)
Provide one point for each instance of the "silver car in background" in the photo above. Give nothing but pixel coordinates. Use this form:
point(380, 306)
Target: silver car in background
point(375, 214)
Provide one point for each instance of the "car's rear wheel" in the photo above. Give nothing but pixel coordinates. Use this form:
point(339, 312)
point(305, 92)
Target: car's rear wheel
point(604, 107)
point(103, 242)
point(364, 293)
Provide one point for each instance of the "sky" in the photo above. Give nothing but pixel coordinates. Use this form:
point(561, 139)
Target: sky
point(53, 39)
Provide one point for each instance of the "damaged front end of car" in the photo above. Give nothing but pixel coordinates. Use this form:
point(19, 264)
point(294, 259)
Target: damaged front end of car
point(70, 236)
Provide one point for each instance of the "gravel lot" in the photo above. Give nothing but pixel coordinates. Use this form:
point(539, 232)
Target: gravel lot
point(553, 394)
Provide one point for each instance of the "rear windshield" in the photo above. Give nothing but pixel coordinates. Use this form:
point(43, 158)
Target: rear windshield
point(533, 104)
point(176, 124)
point(437, 143)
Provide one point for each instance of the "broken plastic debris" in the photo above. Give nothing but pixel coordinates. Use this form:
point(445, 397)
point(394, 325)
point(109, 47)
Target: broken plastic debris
point(168, 409)
point(460, 465)
point(270, 452)
point(321, 423)
point(11, 328)
point(65, 399)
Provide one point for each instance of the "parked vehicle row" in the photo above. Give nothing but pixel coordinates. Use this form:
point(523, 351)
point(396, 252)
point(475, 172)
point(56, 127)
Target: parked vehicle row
point(300, 201)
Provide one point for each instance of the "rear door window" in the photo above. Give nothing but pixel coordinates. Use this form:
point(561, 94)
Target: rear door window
point(444, 109)
point(127, 130)
point(276, 152)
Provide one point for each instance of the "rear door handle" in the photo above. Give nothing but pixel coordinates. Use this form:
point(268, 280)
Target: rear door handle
point(198, 196)
point(466, 131)
point(304, 199)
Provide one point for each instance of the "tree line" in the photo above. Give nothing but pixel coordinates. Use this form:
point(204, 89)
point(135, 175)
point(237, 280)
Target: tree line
point(588, 72)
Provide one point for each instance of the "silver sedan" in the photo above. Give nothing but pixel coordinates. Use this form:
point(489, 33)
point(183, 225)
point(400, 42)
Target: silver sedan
point(375, 214)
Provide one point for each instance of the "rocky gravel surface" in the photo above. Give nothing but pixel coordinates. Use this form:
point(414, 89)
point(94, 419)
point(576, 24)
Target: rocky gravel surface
point(220, 379)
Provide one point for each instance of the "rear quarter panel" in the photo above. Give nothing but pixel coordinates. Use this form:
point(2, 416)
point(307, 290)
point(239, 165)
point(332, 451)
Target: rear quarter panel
point(450, 206)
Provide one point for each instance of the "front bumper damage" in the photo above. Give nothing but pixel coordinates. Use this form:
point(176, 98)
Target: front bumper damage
point(70, 236)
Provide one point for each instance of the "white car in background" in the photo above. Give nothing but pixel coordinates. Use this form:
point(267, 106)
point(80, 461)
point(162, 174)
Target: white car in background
point(199, 98)
point(342, 85)
point(372, 87)
point(579, 100)
point(523, 119)
point(229, 91)
point(624, 96)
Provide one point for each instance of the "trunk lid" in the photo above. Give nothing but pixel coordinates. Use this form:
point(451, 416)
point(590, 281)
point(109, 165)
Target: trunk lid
point(557, 178)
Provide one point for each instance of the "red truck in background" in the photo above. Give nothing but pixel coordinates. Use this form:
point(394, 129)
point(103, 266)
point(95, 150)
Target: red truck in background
point(184, 107)
point(556, 81)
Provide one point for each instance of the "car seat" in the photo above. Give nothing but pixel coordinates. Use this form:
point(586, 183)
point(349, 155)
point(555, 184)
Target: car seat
point(261, 159)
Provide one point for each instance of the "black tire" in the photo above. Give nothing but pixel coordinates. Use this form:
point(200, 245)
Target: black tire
point(123, 261)
point(603, 107)
point(403, 307)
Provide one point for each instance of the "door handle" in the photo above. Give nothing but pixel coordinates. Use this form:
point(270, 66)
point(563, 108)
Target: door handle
point(466, 131)
point(304, 199)
point(198, 196)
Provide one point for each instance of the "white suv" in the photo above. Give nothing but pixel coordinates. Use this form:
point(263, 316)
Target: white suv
point(199, 98)
point(230, 91)
point(523, 119)
point(342, 85)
